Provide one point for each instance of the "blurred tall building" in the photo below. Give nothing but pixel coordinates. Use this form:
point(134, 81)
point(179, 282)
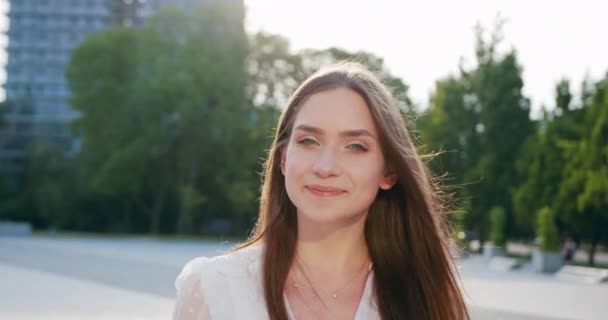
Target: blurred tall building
point(41, 37)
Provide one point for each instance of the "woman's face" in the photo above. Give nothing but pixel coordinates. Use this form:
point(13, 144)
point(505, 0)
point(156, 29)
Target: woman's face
point(333, 163)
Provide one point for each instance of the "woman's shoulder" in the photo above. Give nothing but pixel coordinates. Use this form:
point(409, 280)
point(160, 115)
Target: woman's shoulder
point(226, 286)
point(236, 263)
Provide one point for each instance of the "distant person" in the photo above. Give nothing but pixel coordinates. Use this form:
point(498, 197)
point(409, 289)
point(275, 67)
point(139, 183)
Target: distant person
point(568, 250)
point(350, 225)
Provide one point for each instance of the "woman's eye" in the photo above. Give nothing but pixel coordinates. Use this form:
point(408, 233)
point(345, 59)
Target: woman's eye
point(357, 147)
point(307, 141)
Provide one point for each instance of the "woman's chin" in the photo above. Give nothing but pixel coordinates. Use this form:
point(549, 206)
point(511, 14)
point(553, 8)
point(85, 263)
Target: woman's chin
point(329, 217)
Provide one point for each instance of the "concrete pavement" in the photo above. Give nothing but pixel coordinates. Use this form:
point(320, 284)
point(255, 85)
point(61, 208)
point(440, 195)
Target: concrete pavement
point(36, 295)
point(116, 279)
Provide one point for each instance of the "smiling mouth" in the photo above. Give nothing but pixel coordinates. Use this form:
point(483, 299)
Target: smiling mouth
point(324, 191)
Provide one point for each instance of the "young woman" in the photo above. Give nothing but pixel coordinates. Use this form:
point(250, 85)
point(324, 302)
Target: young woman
point(350, 225)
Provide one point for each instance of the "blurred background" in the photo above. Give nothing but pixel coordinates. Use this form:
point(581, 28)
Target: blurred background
point(133, 132)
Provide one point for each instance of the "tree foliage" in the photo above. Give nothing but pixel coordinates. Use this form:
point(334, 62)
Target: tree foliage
point(547, 231)
point(177, 114)
point(479, 120)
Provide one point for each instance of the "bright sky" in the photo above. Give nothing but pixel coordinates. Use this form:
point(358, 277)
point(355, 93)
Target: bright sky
point(422, 41)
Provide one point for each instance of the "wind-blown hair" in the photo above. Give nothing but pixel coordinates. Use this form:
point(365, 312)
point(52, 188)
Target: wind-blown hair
point(406, 229)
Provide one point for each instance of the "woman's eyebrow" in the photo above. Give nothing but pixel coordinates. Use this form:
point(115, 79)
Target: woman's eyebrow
point(347, 133)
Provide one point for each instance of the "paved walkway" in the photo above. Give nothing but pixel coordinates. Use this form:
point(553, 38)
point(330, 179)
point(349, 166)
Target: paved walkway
point(116, 279)
point(36, 295)
point(527, 292)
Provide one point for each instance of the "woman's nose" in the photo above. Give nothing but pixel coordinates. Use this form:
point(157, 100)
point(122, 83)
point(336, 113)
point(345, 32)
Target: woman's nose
point(326, 165)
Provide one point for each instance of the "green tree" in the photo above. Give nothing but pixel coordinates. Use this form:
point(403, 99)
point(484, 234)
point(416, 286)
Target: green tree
point(50, 184)
point(497, 226)
point(479, 121)
point(459, 234)
point(275, 71)
point(448, 127)
point(547, 231)
point(542, 162)
point(102, 76)
point(164, 112)
point(313, 59)
point(565, 166)
point(503, 127)
point(585, 184)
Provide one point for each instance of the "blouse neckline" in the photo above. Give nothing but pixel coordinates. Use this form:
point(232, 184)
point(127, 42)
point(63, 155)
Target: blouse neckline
point(366, 297)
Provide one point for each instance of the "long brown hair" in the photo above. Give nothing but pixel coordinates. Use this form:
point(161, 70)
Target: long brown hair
point(405, 230)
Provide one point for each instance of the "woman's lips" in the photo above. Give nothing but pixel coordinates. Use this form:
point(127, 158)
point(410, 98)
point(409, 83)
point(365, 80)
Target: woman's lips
point(324, 191)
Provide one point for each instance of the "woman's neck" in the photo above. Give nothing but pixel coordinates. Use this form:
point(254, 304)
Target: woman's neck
point(332, 247)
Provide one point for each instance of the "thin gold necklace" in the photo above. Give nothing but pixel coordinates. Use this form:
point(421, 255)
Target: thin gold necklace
point(334, 293)
point(315, 313)
point(315, 294)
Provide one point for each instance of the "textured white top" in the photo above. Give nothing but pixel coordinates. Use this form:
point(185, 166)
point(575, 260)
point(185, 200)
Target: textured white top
point(230, 286)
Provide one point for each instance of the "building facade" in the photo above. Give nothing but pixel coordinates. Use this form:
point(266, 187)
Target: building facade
point(41, 37)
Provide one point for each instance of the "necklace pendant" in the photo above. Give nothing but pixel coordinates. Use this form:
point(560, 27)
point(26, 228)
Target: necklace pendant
point(334, 295)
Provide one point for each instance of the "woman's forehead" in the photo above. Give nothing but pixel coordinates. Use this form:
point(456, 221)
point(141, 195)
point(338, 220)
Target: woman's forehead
point(339, 109)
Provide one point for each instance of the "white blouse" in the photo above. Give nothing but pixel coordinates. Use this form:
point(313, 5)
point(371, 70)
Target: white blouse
point(230, 286)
